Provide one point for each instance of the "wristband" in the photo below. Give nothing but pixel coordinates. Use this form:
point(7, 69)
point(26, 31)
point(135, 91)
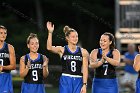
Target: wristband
point(85, 84)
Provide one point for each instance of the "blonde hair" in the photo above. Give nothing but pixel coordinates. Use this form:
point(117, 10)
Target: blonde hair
point(67, 30)
point(32, 35)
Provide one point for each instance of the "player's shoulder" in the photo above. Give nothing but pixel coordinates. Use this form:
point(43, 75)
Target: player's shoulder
point(44, 56)
point(11, 47)
point(59, 46)
point(94, 51)
point(84, 52)
point(22, 58)
point(138, 56)
point(116, 51)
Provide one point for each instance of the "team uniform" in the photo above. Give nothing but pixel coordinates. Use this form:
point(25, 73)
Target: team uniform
point(138, 84)
point(105, 76)
point(71, 80)
point(33, 81)
point(6, 85)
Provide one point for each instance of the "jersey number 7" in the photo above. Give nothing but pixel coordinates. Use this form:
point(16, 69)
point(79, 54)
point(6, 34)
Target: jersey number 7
point(106, 68)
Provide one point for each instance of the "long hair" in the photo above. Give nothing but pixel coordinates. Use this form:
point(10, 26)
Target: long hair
point(111, 38)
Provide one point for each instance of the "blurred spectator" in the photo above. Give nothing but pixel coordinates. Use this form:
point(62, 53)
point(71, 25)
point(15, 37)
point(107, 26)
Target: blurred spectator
point(130, 75)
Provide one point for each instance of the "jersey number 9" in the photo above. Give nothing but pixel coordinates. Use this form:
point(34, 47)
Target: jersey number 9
point(35, 75)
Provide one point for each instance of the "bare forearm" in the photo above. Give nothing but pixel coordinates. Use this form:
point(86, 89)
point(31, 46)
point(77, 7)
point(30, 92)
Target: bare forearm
point(9, 67)
point(85, 75)
point(112, 61)
point(45, 72)
point(24, 73)
point(96, 64)
point(49, 41)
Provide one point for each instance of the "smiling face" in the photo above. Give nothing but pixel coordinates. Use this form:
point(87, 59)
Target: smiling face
point(72, 38)
point(33, 45)
point(105, 42)
point(3, 34)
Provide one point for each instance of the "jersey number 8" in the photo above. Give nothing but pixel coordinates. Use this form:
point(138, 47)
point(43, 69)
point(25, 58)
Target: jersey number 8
point(73, 66)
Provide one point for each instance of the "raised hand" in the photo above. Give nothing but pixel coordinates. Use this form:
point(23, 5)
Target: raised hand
point(50, 27)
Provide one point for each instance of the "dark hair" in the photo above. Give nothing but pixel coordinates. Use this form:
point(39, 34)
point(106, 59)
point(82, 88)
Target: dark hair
point(67, 30)
point(3, 27)
point(111, 38)
point(32, 35)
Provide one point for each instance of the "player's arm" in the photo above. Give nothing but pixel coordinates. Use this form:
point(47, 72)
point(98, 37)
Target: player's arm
point(45, 66)
point(136, 64)
point(85, 65)
point(94, 63)
point(115, 61)
point(12, 59)
point(51, 48)
point(23, 68)
point(85, 55)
